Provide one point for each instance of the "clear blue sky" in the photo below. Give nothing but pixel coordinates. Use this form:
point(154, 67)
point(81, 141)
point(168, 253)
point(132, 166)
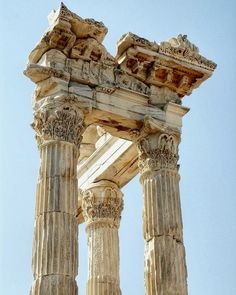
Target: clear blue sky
point(207, 151)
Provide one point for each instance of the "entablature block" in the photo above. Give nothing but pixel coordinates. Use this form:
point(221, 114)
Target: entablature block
point(136, 93)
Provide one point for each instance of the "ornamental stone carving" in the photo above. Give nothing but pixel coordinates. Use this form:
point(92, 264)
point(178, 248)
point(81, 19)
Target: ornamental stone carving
point(59, 120)
point(158, 152)
point(102, 202)
point(136, 97)
point(181, 48)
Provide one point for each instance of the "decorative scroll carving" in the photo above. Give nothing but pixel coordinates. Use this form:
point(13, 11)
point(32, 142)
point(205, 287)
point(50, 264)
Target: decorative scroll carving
point(103, 202)
point(181, 47)
point(70, 59)
point(139, 64)
point(41, 73)
point(59, 120)
point(123, 80)
point(181, 41)
point(178, 47)
point(157, 152)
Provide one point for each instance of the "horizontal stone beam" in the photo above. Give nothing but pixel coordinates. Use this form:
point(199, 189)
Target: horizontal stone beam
point(115, 158)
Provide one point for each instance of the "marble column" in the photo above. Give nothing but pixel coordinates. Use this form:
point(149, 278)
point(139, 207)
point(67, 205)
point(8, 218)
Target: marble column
point(58, 125)
point(102, 205)
point(165, 267)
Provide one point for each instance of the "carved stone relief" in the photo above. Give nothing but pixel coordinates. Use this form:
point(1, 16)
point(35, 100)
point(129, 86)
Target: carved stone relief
point(158, 152)
point(102, 202)
point(59, 120)
point(139, 64)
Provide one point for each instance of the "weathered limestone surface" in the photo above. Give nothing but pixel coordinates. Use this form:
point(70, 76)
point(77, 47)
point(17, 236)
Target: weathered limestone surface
point(128, 101)
point(165, 268)
point(119, 92)
point(58, 127)
point(102, 204)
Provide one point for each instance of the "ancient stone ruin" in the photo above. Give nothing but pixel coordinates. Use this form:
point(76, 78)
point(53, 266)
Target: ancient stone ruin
point(99, 121)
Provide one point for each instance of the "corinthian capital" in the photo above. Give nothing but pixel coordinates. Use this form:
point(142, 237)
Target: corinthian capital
point(102, 202)
point(58, 119)
point(158, 151)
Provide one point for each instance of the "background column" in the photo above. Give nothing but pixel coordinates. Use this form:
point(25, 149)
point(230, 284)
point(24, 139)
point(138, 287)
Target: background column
point(102, 206)
point(58, 125)
point(165, 268)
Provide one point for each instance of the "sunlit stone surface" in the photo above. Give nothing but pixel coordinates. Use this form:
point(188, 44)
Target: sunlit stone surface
point(99, 120)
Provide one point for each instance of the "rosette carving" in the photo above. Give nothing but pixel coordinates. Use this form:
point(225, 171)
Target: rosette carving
point(102, 202)
point(59, 120)
point(158, 152)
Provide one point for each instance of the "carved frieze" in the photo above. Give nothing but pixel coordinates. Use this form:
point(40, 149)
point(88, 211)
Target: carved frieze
point(160, 96)
point(91, 49)
point(74, 53)
point(102, 202)
point(40, 73)
point(175, 64)
point(158, 151)
point(181, 48)
point(59, 120)
point(126, 81)
point(135, 96)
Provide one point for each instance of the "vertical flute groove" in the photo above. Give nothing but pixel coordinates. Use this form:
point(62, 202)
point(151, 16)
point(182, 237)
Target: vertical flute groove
point(54, 261)
point(165, 269)
point(102, 206)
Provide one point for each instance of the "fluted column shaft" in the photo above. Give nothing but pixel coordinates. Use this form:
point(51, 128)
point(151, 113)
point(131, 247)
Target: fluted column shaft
point(102, 206)
point(165, 267)
point(58, 127)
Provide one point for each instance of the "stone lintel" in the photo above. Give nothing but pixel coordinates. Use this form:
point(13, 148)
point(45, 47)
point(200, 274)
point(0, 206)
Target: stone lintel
point(114, 160)
point(136, 93)
point(121, 113)
point(174, 114)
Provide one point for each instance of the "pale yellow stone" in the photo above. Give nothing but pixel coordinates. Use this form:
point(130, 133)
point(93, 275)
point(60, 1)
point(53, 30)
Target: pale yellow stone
point(102, 204)
point(101, 107)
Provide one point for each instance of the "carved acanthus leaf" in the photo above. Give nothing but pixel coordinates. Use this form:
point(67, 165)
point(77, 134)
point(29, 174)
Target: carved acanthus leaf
point(102, 204)
point(158, 152)
point(59, 120)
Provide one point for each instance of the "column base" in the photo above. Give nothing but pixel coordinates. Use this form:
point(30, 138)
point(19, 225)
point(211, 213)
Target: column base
point(54, 285)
